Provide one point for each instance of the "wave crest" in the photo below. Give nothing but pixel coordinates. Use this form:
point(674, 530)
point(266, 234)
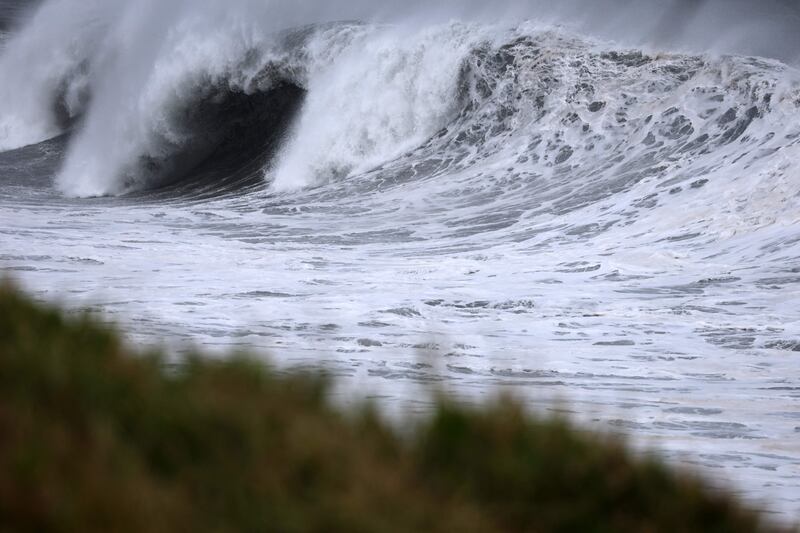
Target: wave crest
point(158, 94)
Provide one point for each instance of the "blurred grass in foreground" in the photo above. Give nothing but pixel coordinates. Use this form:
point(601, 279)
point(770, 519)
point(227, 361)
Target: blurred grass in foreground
point(94, 437)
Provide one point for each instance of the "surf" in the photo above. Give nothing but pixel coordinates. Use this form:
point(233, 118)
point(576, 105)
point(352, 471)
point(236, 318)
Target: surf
point(153, 94)
point(592, 200)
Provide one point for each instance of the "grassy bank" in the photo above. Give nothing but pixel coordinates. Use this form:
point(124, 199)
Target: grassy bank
point(96, 438)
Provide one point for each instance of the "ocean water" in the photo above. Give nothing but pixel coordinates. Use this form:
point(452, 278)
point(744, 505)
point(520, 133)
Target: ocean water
point(597, 213)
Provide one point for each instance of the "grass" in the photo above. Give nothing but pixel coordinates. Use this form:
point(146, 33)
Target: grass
point(95, 437)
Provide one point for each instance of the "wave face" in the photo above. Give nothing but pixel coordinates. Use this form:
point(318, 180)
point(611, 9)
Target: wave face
point(138, 81)
point(597, 200)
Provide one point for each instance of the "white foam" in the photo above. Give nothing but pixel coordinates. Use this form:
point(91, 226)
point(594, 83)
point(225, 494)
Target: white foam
point(384, 95)
point(541, 243)
point(49, 57)
point(136, 58)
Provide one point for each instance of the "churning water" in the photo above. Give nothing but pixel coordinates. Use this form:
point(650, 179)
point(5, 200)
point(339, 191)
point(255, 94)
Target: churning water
point(595, 206)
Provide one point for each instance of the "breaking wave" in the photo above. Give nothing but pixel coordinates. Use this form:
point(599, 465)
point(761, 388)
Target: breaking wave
point(595, 197)
point(159, 95)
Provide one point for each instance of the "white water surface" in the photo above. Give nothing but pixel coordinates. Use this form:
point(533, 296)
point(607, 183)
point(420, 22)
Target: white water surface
point(604, 229)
